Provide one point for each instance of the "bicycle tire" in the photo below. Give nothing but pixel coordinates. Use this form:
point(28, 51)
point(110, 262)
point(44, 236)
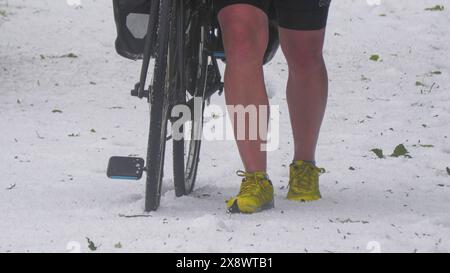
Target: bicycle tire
point(186, 153)
point(159, 101)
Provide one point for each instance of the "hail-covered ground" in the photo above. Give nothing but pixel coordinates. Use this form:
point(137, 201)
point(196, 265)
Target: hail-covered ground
point(65, 109)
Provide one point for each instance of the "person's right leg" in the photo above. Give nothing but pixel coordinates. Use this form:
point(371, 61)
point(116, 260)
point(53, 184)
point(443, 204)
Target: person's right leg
point(245, 34)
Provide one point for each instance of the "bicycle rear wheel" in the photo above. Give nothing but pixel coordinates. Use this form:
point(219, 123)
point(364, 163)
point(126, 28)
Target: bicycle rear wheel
point(194, 62)
point(160, 101)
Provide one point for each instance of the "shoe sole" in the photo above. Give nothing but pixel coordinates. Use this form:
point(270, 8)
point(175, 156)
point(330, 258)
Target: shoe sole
point(309, 198)
point(235, 208)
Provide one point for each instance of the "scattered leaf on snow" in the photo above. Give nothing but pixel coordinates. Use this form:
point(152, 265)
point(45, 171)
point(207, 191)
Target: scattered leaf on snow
point(350, 221)
point(91, 244)
point(56, 111)
point(448, 170)
point(378, 152)
point(70, 55)
point(39, 136)
point(118, 245)
point(73, 135)
point(364, 78)
point(12, 186)
point(436, 8)
point(375, 57)
point(400, 150)
point(134, 216)
point(426, 145)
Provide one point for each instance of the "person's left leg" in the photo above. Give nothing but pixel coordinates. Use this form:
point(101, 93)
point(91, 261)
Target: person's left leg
point(307, 87)
point(302, 35)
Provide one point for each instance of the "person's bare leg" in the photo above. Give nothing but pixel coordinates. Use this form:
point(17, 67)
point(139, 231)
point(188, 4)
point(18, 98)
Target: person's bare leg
point(307, 87)
point(245, 35)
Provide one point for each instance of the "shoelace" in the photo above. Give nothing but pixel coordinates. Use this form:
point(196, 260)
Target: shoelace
point(250, 181)
point(305, 172)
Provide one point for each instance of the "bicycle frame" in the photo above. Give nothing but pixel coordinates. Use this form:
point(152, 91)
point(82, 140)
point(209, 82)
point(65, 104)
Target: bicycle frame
point(209, 24)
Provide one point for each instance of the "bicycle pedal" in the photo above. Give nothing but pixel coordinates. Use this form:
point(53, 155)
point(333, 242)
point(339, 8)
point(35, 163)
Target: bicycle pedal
point(127, 168)
point(218, 54)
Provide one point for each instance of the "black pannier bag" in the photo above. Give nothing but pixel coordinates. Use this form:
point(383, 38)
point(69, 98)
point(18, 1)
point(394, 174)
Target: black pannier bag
point(131, 18)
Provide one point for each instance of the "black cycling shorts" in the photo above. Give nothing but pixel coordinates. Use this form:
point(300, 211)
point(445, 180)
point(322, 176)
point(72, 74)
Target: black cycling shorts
point(290, 14)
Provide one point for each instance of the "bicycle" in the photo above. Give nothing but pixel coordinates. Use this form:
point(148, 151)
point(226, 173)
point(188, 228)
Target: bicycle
point(184, 39)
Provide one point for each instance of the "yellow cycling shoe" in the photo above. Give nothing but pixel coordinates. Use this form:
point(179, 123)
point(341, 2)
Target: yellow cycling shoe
point(304, 181)
point(256, 194)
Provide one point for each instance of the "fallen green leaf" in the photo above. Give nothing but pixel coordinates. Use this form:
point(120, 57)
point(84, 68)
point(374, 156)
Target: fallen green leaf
point(70, 55)
point(378, 152)
point(426, 145)
point(400, 150)
point(375, 57)
point(436, 8)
